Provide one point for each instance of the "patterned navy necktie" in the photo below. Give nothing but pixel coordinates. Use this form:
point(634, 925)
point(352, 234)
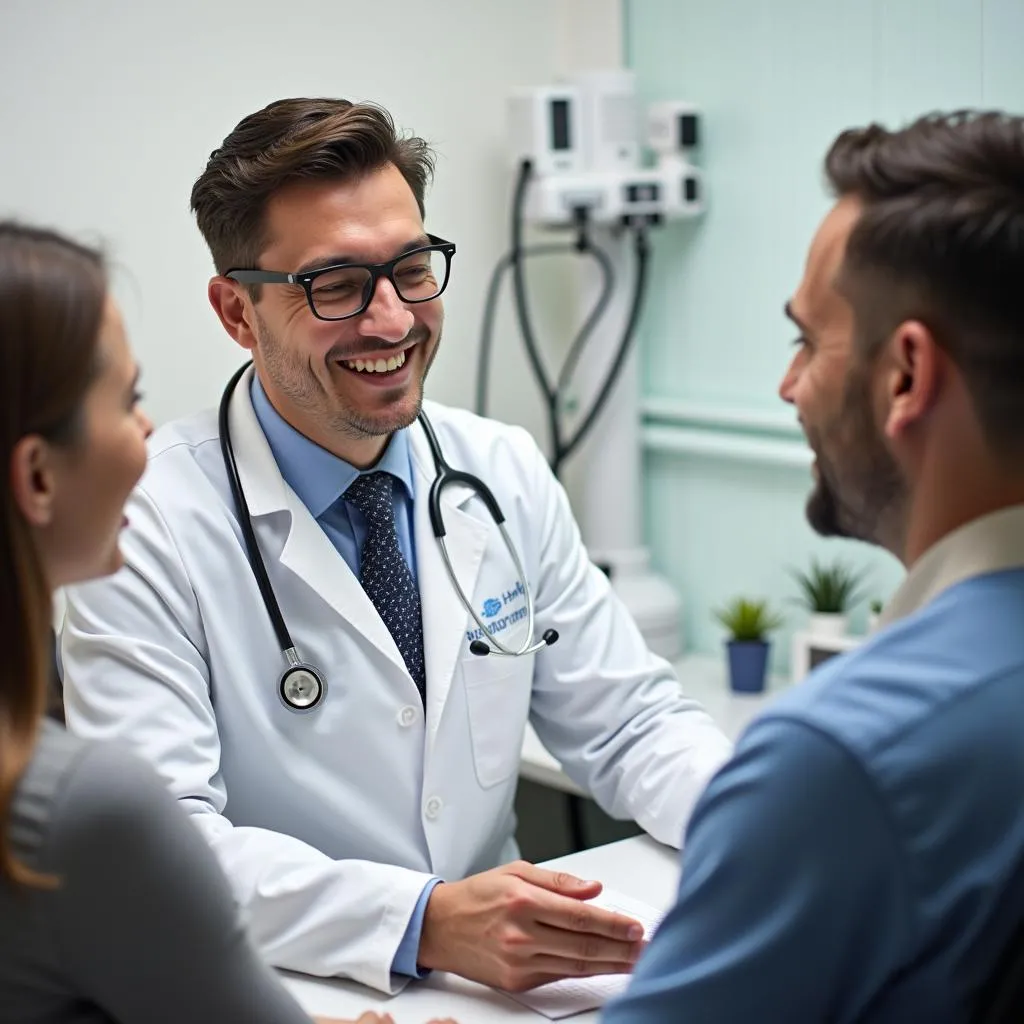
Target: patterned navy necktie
point(384, 574)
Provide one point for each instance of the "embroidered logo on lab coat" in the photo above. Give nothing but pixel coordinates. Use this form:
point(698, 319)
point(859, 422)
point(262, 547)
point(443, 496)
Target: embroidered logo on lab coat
point(506, 611)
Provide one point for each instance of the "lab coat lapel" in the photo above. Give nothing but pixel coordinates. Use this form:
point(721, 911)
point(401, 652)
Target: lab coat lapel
point(445, 619)
point(307, 550)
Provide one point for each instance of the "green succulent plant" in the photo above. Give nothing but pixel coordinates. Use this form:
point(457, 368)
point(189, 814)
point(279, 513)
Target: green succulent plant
point(829, 588)
point(875, 607)
point(748, 620)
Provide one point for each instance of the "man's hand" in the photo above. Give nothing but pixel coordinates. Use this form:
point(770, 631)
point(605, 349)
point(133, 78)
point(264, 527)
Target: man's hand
point(519, 926)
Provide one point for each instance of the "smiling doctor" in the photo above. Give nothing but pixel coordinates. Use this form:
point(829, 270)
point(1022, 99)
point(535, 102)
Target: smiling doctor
point(330, 663)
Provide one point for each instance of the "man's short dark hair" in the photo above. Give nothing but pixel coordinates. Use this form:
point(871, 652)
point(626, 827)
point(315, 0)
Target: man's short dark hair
point(295, 140)
point(941, 240)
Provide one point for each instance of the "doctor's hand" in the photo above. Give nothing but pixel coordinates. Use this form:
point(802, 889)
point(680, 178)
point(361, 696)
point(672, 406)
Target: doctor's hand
point(364, 1018)
point(372, 1018)
point(520, 926)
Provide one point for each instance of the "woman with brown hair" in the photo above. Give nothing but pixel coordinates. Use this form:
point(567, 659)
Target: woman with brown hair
point(112, 907)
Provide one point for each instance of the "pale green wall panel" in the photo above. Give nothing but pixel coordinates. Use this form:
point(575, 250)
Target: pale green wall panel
point(725, 528)
point(927, 56)
point(1002, 46)
point(775, 80)
point(713, 327)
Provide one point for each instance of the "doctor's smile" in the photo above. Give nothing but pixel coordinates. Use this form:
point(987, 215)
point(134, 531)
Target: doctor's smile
point(388, 366)
point(376, 365)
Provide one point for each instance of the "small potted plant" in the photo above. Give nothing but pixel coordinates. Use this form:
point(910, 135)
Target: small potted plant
point(748, 622)
point(874, 612)
point(828, 591)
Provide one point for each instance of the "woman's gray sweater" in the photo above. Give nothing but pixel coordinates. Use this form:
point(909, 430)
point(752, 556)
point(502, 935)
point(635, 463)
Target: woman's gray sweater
point(142, 928)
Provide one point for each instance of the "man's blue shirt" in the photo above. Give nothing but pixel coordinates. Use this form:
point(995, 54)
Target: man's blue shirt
point(856, 860)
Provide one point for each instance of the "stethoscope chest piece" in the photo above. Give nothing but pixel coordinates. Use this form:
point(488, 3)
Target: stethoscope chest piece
point(302, 688)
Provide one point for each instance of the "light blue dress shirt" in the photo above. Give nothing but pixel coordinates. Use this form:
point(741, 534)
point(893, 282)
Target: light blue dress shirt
point(860, 857)
point(320, 479)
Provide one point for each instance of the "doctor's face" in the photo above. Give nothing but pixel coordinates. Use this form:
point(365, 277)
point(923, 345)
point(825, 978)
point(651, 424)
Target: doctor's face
point(323, 376)
point(858, 486)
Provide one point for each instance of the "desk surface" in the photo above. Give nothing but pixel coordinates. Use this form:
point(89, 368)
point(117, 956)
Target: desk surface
point(638, 867)
point(703, 678)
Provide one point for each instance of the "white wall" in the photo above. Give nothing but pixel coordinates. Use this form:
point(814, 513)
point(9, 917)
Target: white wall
point(109, 110)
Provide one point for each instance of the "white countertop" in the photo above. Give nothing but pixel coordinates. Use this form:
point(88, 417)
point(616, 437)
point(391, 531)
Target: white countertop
point(702, 677)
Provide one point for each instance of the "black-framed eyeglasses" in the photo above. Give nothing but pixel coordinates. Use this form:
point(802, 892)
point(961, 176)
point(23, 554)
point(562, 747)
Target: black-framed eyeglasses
point(346, 289)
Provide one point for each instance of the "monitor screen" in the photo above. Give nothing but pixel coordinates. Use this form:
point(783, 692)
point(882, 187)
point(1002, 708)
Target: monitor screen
point(560, 134)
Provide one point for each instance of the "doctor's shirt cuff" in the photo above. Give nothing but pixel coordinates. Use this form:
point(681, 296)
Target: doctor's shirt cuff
point(409, 947)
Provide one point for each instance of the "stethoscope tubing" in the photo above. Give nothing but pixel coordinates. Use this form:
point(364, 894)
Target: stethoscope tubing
point(445, 476)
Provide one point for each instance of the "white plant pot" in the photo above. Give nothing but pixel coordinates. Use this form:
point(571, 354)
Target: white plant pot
point(873, 620)
point(827, 624)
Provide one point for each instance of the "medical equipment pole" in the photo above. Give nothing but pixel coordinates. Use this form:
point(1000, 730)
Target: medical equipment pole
point(611, 457)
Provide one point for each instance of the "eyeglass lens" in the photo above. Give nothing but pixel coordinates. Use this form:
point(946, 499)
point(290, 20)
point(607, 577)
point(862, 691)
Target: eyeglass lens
point(417, 277)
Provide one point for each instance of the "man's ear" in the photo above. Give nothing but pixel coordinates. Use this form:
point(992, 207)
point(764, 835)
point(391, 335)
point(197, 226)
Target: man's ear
point(914, 376)
point(33, 480)
point(234, 308)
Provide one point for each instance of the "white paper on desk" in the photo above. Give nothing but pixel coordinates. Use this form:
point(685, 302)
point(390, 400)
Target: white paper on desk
point(560, 999)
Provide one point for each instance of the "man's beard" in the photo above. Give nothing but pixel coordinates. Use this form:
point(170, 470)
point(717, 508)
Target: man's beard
point(860, 490)
point(294, 378)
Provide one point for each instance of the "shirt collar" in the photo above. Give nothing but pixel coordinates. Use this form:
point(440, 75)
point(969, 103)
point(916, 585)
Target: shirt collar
point(992, 543)
point(316, 475)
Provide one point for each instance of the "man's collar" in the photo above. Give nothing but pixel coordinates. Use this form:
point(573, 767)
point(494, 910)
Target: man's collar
point(991, 543)
point(316, 475)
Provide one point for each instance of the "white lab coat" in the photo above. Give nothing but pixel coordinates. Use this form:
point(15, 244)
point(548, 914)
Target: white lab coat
point(330, 823)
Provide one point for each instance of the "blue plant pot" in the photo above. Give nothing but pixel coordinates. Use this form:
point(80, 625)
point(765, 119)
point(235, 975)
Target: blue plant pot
point(748, 664)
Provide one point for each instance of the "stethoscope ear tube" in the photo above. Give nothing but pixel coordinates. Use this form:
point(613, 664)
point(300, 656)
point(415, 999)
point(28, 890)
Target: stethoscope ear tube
point(482, 649)
point(445, 476)
point(492, 645)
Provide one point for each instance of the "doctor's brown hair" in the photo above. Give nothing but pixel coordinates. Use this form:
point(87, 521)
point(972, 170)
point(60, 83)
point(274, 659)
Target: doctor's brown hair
point(52, 293)
point(941, 240)
point(295, 140)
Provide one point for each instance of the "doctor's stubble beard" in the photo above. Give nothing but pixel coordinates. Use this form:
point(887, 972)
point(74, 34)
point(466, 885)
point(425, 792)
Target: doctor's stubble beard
point(295, 379)
point(860, 492)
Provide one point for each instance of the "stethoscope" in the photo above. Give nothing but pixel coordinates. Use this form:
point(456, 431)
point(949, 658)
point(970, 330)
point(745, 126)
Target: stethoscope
point(302, 686)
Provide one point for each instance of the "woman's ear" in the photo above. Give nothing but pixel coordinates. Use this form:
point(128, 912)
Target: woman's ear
point(33, 480)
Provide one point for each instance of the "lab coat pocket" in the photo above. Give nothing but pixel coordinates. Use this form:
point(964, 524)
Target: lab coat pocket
point(498, 702)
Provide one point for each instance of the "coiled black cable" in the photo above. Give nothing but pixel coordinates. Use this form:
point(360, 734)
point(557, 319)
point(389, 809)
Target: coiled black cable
point(548, 393)
point(483, 366)
point(639, 289)
point(552, 394)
